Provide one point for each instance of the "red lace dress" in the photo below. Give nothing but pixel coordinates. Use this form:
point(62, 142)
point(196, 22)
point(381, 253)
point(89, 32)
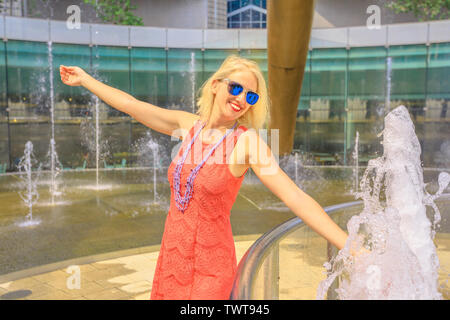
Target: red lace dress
point(197, 259)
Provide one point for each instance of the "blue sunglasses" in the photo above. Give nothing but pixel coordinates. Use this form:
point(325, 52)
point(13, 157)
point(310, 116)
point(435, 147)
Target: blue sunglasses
point(236, 89)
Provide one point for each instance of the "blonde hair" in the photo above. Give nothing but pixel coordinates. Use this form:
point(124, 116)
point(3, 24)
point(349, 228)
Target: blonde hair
point(256, 115)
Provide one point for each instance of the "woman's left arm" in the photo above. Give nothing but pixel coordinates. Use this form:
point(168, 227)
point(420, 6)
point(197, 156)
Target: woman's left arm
point(265, 166)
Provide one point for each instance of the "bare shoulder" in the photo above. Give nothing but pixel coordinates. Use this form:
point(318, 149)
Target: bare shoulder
point(254, 146)
point(246, 143)
point(185, 122)
point(249, 137)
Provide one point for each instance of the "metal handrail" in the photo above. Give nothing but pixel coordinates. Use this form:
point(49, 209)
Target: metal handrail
point(254, 257)
point(251, 261)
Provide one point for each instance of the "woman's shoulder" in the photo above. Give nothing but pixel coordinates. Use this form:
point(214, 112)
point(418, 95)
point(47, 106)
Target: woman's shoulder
point(186, 121)
point(248, 145)
point(251, 137)
point(245, 138)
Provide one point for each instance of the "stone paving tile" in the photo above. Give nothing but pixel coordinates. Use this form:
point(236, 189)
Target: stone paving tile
point(105, 283)
point(100, 265)
point(41, 290)
point(53, 295)
point(36, 290)
point(20, 284)
point(143, 296)
point(86, 287)
point(241, 248)
point(146, 275)
point(108, 294)
point(86, 268)
point(3, 291)
point(140, 269)
point(152, 256)
point(138, 260)
point(134, 264)
point(16, 295)
point(107, 273)
point(56, 277)
point(305, 293)
point(137, 287)
point(126, 279)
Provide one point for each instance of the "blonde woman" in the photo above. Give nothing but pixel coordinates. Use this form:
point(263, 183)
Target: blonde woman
point(197, 258)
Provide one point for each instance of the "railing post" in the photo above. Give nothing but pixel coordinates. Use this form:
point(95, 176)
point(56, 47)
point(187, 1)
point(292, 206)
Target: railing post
point(271, 272)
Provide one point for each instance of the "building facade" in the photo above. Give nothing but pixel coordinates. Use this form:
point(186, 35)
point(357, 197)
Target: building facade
point(212, 14)
point(247, 14)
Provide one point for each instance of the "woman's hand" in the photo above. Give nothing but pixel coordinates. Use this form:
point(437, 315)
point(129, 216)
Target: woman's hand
point(72, 76)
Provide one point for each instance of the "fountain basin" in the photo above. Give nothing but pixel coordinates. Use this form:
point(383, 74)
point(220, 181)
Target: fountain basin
point(122, 215)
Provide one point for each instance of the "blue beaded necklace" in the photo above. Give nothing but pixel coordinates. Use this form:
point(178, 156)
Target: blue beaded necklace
point(182, 203)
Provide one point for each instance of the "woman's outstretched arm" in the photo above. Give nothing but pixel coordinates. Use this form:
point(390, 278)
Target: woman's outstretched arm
point(265, 166)
point(162, 120)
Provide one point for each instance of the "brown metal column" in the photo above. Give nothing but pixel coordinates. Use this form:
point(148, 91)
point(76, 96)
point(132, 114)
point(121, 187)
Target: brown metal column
point(289, 25)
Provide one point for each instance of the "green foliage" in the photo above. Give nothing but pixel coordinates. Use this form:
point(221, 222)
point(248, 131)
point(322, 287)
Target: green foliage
point(38, 9)
point(422, 9)
point(116, 12)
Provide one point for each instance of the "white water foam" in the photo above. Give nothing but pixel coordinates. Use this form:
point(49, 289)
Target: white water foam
point(401, 260)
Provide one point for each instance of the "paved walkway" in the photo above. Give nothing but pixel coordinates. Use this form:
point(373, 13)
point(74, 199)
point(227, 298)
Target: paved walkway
point(121, 278)
point(128, 275)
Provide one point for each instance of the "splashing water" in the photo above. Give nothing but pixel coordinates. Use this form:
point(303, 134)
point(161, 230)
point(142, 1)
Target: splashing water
point(156, 164)
point(149, 154)
point(192, 78)
point(55, 167)
point(356, 164)
point(30, 195)
point(387, 103)
point(401, 262)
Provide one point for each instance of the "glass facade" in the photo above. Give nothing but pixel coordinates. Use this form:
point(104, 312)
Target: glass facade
point(247, 14)
point(344, 91)
point(12, 7)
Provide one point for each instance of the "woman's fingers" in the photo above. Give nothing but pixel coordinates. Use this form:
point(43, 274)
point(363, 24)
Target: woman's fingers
point(70, 75)
point(65, 69)
point(65, 73)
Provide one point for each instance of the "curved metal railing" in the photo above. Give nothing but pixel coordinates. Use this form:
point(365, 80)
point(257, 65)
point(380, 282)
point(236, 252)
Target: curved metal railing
point(251, 261)
point(266, 247)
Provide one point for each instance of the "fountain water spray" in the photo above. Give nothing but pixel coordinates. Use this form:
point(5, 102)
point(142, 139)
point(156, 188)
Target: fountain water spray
point(30, 196)
point(387, 104)
point(192, 74)
point(55, 170)
point(97, 133)
point(356, 164)
point(401, 262)
point(296, 167)
point(155, 90)
point(55, 167)
point(93, 145)
point(154, 147)
point(144, 147)
point(94, 68)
